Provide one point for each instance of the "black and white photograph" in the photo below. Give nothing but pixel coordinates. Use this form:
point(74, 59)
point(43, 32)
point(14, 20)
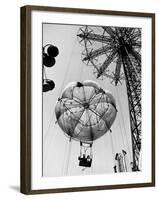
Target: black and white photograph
point(91, 100)
point(88, 100)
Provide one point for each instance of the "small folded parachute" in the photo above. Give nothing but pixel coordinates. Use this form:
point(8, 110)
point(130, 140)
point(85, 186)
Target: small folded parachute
point(48, 85)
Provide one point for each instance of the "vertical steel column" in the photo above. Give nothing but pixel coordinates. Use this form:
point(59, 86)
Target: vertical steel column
point(133, 84)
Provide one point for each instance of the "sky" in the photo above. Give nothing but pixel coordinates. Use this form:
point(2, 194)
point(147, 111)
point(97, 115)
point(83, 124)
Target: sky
point(60, 156)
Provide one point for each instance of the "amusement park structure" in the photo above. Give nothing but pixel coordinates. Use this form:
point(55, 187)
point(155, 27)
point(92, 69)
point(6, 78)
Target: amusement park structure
point(114, 52)
point(85, 112)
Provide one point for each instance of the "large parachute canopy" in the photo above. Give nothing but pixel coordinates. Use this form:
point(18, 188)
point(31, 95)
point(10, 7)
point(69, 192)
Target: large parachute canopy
point(85, 111)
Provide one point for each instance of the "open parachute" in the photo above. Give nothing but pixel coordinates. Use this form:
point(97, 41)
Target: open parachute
point(85, 111)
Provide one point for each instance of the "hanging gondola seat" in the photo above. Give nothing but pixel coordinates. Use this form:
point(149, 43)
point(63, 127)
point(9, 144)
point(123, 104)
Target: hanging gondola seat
point(85, 161)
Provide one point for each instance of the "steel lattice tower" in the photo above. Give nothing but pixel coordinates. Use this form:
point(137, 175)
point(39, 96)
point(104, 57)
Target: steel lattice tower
point(121, 45)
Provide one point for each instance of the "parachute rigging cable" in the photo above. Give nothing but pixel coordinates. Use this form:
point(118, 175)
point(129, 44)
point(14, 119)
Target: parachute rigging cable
point(68, 157)
point(44, 73)
point(123, 125)
point(112, 147)
point(67, 69)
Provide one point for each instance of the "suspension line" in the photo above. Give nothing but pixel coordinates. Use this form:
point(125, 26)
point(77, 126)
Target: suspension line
point(112, 147)
point(68, 156)
point(44, 73)
point(67, 68)
point(123, 125)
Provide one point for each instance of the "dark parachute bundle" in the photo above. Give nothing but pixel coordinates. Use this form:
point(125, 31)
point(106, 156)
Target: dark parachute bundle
point(49, 54)
point(48, 85)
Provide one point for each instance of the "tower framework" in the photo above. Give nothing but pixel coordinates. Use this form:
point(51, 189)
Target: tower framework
point(122, 46)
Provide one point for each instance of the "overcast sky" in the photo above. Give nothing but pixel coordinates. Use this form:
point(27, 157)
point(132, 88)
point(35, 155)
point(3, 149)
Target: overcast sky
point(56, 145)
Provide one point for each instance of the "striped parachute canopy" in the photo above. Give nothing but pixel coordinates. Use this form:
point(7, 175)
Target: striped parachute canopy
point(85, 112)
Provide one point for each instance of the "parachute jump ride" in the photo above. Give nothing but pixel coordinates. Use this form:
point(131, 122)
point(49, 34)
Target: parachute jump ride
point(85, 112)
